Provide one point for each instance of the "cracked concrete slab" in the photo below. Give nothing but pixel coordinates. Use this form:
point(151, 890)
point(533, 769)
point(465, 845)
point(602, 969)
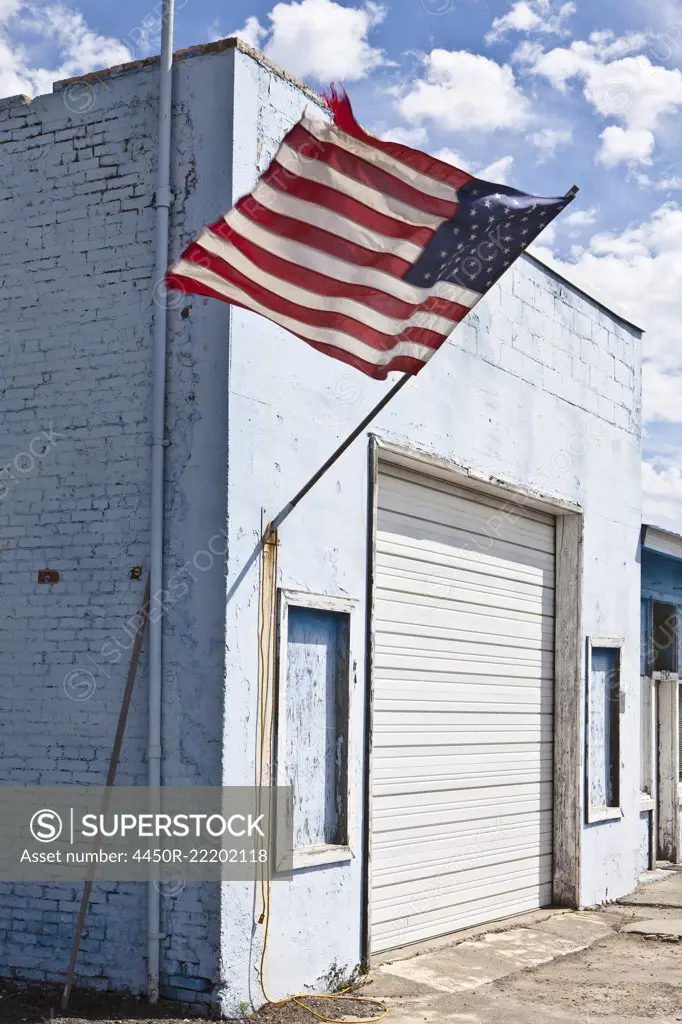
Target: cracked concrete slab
point(660, 927)
point(479, 961)
point(583, 926)
point(666, 891)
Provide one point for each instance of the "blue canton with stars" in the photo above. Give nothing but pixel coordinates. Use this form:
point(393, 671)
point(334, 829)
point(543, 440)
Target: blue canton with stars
point(491, 228)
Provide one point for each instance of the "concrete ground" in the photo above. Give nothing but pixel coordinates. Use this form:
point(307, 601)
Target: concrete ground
point(620, 964)
point(551, 967)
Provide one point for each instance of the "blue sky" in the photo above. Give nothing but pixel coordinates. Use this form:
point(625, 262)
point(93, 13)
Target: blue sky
point(541, 94)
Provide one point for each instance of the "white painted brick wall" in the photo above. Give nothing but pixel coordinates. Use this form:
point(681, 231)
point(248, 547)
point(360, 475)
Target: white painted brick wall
point(76, 282)
point(75, 365)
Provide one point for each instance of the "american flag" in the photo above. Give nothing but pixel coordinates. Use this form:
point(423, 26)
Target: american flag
point(369, 251)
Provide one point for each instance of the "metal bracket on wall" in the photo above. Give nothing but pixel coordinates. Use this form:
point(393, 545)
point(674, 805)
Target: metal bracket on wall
point(48, 576)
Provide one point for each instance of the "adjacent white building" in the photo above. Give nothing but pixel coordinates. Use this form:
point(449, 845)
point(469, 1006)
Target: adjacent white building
point(459, 598)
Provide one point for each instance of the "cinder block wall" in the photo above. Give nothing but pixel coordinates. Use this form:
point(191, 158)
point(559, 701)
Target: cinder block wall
point(77, 179)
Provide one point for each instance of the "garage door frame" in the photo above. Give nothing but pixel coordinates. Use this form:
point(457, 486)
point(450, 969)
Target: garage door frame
point(568, 663)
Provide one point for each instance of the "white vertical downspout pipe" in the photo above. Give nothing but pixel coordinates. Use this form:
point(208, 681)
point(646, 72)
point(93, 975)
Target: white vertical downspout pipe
point(163, 202)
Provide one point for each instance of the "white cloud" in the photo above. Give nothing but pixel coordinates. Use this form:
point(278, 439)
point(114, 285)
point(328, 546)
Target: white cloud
point(79, 49)
point(669, 184)
point(640, 178)
point(252, 32)
point(618, 85)
point(454, 157)
point(319, 39)
point(633, 89)
point(82, 49)
point(521, 18)
point(548, 140)
point(8, 8)
point(146, 35)
point(672, 183)
point(579, 219)
point(608, 45)
point(527, 53)
point(625, 145)
point(545, 238)
point(407, 136)
point(497, 171)
point(462, 91)
point(14, 76)
point(532, 16)
point(662, 493)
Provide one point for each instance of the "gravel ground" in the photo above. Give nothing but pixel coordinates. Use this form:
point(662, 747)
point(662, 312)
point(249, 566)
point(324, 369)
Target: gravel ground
point(39, 1007)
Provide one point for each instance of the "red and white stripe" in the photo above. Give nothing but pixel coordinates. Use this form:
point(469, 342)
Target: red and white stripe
point(322, 243)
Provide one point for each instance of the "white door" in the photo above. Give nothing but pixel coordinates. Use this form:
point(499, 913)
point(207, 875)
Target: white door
point(461, 816)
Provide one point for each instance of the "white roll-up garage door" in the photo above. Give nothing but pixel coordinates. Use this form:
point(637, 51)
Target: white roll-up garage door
point(461, 784)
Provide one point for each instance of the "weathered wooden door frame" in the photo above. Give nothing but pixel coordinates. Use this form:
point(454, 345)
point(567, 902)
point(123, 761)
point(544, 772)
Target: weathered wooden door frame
point(668, 768)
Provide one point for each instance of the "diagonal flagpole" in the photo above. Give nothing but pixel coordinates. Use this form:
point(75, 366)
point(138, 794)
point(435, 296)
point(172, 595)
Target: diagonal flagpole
point(106, 795)
point(336, 455)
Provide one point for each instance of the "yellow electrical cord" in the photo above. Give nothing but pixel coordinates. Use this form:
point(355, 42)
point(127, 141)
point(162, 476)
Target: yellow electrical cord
point(266, 676)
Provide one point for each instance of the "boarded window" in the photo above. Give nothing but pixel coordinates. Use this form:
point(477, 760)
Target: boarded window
point(604, 701)
point(313, 721)
point(665, 637)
